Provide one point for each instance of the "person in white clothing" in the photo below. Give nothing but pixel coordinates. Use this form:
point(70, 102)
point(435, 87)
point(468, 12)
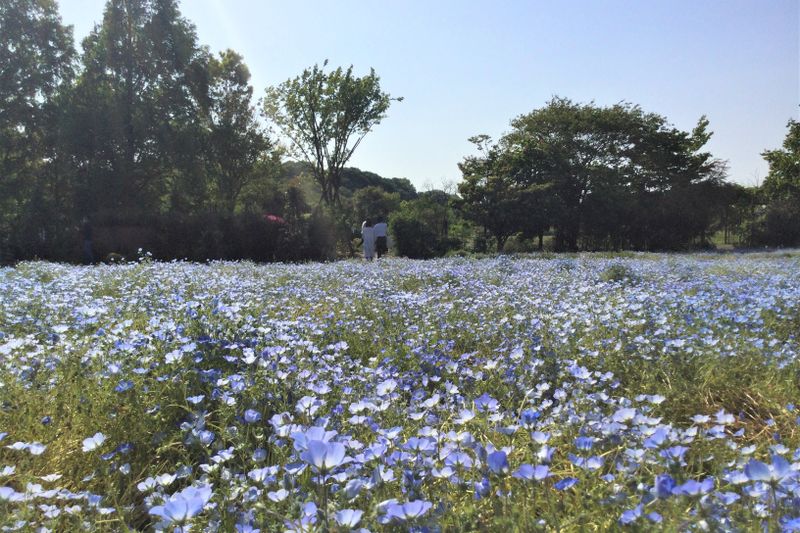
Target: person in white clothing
point(368, 238)
point(381, 246)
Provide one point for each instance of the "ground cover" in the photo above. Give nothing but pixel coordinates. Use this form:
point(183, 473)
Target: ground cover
point(567, 393)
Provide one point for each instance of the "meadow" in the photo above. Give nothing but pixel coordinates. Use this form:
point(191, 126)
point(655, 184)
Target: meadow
point(572, 393)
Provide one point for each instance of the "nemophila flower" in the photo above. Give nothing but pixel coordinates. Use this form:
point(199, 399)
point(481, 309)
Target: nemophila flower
point(790, 523)
point(8, 494)
point(724, 418)
point(631, 515)
point(385, 387)
point(675, 454)
point(658, 438)
point(93, 442)
point(464, 416)
point(147, 485)
point(278, 495)
point(309, 405)
point(183, 505)
point(624, 414)
point(33, 448)
point(540, 437)
point(497, 462)
point(779, 470)
point(206, 437)
point(263, 475)
point(406, 511)
point(584, 443)
point(486, 403)
point(324, 456)
point(251, 416)
point(727, 498)
point(458, 459)
point(348, 517)
point(532, 473)
point(381, 474)
point(124, 385)
point(694, 488)
point(565, 483)
point(664, 485)
point(302, 438)
point(528, 418)
point(420, 445)
point(165, 480)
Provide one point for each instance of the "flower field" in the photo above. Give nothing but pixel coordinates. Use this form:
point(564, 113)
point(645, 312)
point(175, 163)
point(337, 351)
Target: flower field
point(554, 394)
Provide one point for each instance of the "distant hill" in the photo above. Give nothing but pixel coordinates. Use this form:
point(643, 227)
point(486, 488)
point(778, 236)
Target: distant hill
point(352, 180)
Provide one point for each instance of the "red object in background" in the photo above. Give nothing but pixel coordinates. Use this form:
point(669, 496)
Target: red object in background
point(275, 219)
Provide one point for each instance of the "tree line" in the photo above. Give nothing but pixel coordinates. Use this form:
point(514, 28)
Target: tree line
point(152, 141)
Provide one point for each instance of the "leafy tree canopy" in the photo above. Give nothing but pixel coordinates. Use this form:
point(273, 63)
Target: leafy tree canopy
point(326, 115)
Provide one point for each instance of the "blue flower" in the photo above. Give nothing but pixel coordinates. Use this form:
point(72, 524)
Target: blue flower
point(664, 485)
point(348, 517)
point(124, 385)
point(778, 471)
point(183, 505)
point(532, 473)
point(631, 515)
point(565, 483)
point(251, 416)
point(93, 442)
point(407, 511)
point(498, 462)
point(324, 456)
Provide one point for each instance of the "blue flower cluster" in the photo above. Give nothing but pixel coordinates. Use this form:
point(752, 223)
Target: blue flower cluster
point(420, 396)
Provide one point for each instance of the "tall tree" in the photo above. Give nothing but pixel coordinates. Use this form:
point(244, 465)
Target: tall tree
point(326, 115)
point(135, 106)
point(236, 141)
point(36, 63)
point(488, 196)
point(781, 191)
point(783, 180)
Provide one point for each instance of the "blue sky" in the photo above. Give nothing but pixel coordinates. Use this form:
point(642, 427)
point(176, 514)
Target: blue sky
point(469, 67)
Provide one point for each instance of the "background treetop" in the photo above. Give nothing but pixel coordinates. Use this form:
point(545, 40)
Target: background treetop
point(325, 116)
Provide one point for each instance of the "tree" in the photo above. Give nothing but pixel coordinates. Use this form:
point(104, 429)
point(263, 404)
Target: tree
point(135, 106)
point(421, 227)
point(326, 116)
point(487, 194)
point(783, 180)
point(236, 142)
point(602, 177)
point(781, 191)
point(375, 203)
point(36, 63)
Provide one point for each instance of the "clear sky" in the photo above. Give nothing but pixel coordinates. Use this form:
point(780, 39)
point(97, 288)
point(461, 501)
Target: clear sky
point(467, 67)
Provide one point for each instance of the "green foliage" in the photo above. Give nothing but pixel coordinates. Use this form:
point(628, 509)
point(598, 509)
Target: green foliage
point(602, 177)
point(618, 272)
point(421, 227)
point(781, 190)
point(783, 180)
point(326, 115)
point(36, 62)
point(235, 142)
point(373, 202)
